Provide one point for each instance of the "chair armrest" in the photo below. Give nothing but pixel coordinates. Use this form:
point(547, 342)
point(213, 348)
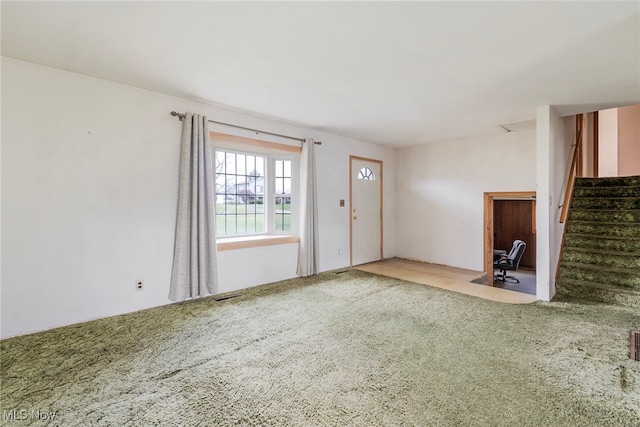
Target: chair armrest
point(498, 253)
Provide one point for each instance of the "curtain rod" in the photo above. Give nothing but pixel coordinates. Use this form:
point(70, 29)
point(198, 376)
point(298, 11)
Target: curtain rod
point(182, 116)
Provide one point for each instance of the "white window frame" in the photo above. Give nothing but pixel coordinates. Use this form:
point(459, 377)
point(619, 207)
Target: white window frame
point(270, 191)
point(271, 152)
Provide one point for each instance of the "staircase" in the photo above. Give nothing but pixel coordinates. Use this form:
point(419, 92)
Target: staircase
point(601, 254)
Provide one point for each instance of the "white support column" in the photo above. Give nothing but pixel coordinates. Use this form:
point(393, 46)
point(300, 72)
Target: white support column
point(544, 204)
point(552, 154)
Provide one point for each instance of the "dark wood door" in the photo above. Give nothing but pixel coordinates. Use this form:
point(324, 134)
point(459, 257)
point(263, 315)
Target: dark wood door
point(515, 219)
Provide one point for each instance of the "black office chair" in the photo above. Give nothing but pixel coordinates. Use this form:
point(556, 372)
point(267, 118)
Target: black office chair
point(508, 262)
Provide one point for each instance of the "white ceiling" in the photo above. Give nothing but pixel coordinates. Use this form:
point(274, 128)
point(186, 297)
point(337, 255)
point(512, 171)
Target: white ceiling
point(394, 73)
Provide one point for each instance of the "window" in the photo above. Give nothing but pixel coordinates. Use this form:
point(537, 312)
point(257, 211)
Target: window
point(366, 174)
point(239, 193)
point(283, 195)
point(255, 191)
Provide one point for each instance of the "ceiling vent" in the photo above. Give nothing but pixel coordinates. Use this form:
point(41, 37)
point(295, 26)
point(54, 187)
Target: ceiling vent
point(635, 345)
point(516, 126)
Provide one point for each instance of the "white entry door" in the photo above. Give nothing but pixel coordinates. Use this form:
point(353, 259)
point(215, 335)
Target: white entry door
point(366, 210)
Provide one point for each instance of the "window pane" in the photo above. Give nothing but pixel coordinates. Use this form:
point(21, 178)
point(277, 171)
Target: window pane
point(283, 213)
point(241, 163)
point(251, 166)
point(240, 193)
point(283, 176)
point(366, 174)
point(260, 166)
point(282, 197)
point(283, 222)
point(220, 163)
point(220, 180)
point(230, 163)
point(230, 184)
point(283, 169)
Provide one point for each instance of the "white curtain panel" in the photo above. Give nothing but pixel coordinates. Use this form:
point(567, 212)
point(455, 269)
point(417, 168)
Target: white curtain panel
point(194, 271)
point(308, 249)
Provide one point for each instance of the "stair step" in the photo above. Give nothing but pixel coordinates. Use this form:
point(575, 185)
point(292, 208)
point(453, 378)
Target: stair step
point(598, 292)
point(606, 203)
point(601, 253)
point(620, 181)
point(625, 191)
point(605, 215)
point(623, 277)
point(608, 229)
point(628, 260)
point(611, 244)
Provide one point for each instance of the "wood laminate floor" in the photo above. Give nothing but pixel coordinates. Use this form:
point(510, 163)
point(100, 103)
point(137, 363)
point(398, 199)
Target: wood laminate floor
point(444, 277)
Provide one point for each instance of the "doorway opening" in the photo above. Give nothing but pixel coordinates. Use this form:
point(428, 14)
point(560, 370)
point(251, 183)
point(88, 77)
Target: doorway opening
point(610, 142)
point(510, 216)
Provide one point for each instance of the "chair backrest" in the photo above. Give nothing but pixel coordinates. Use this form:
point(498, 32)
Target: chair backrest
point(517, 250)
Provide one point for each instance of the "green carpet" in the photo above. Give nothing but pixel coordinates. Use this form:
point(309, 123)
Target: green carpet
point(340, 349)
point(601, 254)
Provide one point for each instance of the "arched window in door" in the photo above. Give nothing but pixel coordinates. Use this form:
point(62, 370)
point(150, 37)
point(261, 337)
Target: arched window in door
point(366, 173)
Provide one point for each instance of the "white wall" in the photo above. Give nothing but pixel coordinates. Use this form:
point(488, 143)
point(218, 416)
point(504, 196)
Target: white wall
point(564, 135)
point(608, 142)
point(588, 159)
point(553, 151)
point(89, 195)
point(629, 140)
point(440, 193)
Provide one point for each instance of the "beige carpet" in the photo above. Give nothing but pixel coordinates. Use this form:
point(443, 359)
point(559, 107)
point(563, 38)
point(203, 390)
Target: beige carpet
point(348, 349)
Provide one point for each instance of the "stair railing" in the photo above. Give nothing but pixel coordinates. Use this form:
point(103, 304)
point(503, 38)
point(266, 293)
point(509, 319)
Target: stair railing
point(573, 169)
point(571, 181)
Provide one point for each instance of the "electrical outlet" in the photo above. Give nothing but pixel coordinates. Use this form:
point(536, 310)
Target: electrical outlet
point(139, 285)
